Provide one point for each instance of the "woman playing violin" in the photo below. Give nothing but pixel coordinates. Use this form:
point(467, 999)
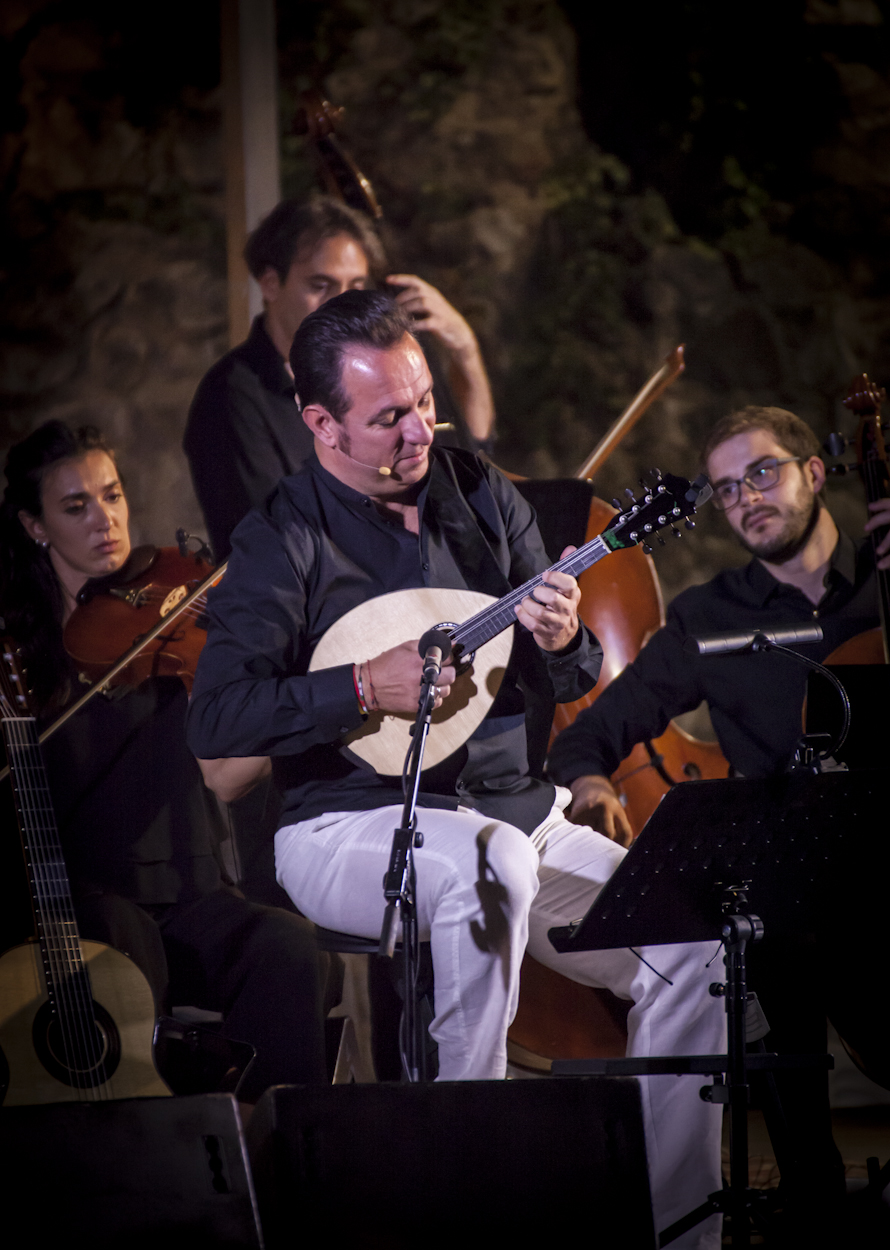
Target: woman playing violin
point(140, 833)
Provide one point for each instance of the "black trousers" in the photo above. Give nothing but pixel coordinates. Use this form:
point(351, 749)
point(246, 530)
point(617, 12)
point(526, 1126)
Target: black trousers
point(258, 966)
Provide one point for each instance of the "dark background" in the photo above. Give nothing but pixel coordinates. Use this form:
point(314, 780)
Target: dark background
point(591, 185)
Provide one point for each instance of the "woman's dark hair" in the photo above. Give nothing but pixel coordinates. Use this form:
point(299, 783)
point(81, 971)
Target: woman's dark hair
point(30, 596)
point(353, 319)
point(294, 228)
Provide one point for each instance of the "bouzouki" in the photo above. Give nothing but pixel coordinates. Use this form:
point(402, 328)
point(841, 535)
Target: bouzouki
point(76, 1017)
point(481, 645)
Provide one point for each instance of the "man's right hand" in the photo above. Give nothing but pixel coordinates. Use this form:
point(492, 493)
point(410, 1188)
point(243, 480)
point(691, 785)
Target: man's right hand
point(395, 679)
point(596, 804)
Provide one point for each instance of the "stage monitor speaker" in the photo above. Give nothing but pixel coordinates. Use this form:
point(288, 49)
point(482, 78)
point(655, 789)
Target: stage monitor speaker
point(137, 1173)
point(394, 1165)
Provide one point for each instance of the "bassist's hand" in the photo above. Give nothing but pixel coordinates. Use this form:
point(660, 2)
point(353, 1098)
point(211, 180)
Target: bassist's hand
point(880, 510)
point(391, 680)
point(596, 804)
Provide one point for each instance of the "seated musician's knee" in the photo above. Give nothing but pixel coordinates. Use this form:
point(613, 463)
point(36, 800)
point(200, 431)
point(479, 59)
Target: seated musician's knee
point(506, 866)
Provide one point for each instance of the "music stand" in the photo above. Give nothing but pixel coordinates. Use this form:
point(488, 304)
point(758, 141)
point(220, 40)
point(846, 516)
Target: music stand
point(712, 855)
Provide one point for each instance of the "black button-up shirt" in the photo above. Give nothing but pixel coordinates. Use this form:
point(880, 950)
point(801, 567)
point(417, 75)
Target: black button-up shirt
point(755, 700)
point(314, 552)
point(244, 434)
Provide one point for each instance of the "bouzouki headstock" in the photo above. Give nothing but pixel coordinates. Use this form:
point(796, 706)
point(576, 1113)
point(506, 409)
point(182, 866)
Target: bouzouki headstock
point(666, 500)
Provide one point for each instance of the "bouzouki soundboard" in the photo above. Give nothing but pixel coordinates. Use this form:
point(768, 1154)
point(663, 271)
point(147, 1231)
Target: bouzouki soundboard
point(482, 644)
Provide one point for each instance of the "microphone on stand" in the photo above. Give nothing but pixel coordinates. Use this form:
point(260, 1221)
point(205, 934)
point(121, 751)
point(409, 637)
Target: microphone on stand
point(434, 647)
point(723, 644)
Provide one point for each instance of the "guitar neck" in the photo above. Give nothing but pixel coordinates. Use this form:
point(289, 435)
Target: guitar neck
point(47, 874)
point(491, 621)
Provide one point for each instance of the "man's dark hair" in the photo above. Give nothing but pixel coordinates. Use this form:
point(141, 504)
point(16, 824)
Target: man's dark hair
point(294, 228)
point(789, 431)
point(353, 319)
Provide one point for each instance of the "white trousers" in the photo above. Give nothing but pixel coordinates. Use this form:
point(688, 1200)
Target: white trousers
point(485, 894)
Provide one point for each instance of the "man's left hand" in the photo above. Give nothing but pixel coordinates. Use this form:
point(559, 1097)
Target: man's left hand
point(552, 615)
point(432, 313)
point(880, 511)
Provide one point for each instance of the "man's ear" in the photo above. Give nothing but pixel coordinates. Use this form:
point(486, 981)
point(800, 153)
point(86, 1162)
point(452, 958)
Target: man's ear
point(817, 468)
point(270, 285)
point(322, 424)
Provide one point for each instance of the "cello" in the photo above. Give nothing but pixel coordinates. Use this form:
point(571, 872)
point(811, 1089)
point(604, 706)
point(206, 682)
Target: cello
point(624, 607)
point(864, 399)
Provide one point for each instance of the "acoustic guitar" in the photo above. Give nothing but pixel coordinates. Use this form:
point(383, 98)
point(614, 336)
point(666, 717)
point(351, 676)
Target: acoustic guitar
point(481, 645)
point(77, 1018)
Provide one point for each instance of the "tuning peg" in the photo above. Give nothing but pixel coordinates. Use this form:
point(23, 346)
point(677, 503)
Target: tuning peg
point(689, 523)
point(676, 533)
point(835, 444)
point(660, 539)
point(838, 470)
point(616, 503)
point(647, 548)
point(628, 492)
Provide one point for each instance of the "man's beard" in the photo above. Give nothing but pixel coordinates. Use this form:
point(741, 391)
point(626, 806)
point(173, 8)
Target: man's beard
point(791, 539)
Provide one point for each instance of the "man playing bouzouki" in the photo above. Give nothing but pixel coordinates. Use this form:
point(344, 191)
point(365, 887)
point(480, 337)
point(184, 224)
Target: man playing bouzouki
point(378, 510)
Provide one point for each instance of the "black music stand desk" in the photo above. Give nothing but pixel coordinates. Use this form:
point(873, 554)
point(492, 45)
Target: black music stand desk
point(726, 861)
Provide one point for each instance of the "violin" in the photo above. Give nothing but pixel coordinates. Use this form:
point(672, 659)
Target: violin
point(146, 620)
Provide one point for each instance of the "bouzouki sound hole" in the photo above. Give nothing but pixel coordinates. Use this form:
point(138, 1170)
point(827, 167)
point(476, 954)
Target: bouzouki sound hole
point(96, 1058)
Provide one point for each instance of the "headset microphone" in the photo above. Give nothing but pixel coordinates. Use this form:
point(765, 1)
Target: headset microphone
point(383, 470)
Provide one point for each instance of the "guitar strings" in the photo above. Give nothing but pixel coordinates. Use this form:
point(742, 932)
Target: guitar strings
point(54, 940)
point(70, 991)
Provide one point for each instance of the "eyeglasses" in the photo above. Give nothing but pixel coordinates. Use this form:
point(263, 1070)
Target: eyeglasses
point(767, 474)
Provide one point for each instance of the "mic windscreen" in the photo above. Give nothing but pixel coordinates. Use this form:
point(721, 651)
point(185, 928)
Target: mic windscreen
point(435, 638)
point(724, 644)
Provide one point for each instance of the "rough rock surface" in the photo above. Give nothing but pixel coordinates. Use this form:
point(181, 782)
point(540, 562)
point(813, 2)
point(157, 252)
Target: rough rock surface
point(571, 267)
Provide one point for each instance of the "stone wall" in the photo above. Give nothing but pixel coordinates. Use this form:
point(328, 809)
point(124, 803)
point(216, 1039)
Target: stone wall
point(114, 299)
point(568, 259)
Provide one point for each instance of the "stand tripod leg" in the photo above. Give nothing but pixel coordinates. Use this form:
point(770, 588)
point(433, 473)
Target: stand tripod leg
point(736, 1006)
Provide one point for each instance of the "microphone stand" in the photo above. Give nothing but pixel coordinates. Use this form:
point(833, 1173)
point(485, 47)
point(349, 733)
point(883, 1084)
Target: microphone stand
point(399, 882)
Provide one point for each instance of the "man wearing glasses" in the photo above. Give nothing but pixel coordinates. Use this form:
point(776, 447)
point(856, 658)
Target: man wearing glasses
point(767, 475)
